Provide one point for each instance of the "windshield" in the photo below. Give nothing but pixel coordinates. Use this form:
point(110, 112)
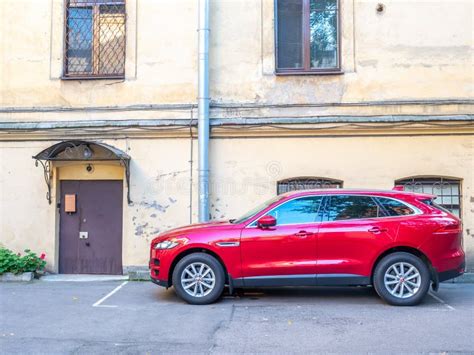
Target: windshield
point(256, 210)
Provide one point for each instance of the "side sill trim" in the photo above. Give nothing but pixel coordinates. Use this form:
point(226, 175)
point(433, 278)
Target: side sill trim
point(342, 280)
point(302, 280)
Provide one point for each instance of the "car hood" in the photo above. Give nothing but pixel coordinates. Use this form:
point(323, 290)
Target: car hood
point(191, 228)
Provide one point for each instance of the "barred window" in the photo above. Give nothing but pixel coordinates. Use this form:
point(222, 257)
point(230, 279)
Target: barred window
point(307, 36)
point(95, 39)
point(448, 191)
point(307, 183)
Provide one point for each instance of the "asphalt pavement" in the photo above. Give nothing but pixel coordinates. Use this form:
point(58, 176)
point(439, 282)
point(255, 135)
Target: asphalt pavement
point(141, 318)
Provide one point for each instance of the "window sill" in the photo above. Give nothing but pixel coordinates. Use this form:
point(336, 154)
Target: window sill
point(322, 72)
point(96, 77)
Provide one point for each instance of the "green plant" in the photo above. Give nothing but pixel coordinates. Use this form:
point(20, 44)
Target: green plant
point(17, 264)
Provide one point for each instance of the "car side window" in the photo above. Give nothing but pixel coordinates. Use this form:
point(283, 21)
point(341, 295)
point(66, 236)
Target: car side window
point(344, 207)
point(394, 207)
point(297, 211)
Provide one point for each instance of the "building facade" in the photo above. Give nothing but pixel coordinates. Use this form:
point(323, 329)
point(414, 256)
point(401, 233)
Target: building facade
point(98, 130)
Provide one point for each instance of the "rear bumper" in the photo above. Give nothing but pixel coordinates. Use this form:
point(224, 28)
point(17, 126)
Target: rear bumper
point(453, 273)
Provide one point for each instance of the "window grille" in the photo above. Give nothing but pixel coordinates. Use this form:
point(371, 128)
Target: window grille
point(448, 191)
point(307, 183)
point(94, 39)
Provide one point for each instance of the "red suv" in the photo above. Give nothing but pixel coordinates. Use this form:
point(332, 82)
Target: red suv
point(399, 242)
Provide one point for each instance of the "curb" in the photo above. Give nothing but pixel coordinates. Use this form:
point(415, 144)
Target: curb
point(143, 274)
point(82, 278)
point(11, 277)
point(467, 278)
point(139, 275)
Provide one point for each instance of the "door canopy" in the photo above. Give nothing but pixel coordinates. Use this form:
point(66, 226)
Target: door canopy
point(78, 150)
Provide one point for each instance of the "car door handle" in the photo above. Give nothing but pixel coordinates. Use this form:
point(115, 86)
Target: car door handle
point(302, 234)
point(377, 230)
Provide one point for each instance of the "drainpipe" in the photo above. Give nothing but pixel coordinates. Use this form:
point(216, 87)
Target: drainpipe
point(203, 110)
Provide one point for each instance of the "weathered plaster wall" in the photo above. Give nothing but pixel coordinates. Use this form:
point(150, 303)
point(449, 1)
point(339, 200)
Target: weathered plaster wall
point(244, 173)
point(161, 42)
point(26, 218)
point(161, 193)
point(160, 190)
point(413, 51)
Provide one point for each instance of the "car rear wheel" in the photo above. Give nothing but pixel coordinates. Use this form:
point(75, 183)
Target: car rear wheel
point(402, 279)
point(199, 278)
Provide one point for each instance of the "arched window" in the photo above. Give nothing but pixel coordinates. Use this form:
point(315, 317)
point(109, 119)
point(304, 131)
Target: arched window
point(448, 190)
point(307, 183)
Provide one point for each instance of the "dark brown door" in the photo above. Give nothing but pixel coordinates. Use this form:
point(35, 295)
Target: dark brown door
point(90, 239)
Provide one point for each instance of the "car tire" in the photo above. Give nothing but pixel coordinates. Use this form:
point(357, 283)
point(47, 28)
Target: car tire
point(396, 282)
point(193, 275)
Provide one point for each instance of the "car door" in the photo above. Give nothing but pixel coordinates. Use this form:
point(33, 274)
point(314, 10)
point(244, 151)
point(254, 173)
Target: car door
point(350, 236)
point(286, 253)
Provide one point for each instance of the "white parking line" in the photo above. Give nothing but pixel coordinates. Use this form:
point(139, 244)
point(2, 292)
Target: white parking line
point(441, 301)
point(98, 303)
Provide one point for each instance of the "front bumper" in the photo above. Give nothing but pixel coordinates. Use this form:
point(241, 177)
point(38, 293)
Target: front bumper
point(162, 283)
point(159, 264)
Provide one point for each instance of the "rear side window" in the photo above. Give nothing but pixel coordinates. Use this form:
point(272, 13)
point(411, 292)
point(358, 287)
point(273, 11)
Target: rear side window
point(344, 207)
point(394, 207)
point(301, 210)
point(435, 205)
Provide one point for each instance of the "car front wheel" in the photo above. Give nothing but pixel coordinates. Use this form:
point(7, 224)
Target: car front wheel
point(199, 278)
point(402, 279)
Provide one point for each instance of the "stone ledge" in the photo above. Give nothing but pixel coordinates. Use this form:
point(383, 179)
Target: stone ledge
point(137, 273)
point(81, 278)
point(11, 277)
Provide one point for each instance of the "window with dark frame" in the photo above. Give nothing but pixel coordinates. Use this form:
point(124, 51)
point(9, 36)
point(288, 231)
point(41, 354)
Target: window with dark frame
point(301, 210)
point(94, 39)
point(307, 36)
point(448, 191)
point(307, 183)
point(394, 207)
point(342, 207)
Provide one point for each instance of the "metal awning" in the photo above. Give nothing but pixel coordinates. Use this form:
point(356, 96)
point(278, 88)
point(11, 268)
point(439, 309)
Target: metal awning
point(79, 150)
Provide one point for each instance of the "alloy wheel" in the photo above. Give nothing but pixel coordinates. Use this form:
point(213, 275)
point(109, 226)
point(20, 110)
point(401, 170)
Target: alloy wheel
point(198, 279)
point(402, 280)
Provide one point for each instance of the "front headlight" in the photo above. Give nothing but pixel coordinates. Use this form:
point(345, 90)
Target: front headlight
point(167, 244)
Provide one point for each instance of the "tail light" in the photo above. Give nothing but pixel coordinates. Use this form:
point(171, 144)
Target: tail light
point(452, 227)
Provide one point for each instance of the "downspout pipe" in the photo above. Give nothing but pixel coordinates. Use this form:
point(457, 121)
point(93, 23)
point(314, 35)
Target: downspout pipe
point(203, 111)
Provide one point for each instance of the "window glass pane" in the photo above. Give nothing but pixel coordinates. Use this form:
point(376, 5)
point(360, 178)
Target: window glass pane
point(112, 39)
point(257, 209)
point(302, 210)
point(394, 207)
point(351, 207)
point(290, 33)
point(323, 34)
point(456, 211)
point(79, 40)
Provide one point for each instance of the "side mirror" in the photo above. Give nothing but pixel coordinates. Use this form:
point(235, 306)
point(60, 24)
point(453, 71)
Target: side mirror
point(266, 222)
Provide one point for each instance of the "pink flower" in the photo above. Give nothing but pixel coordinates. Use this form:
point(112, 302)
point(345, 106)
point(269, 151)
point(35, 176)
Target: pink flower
point(42, 256)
